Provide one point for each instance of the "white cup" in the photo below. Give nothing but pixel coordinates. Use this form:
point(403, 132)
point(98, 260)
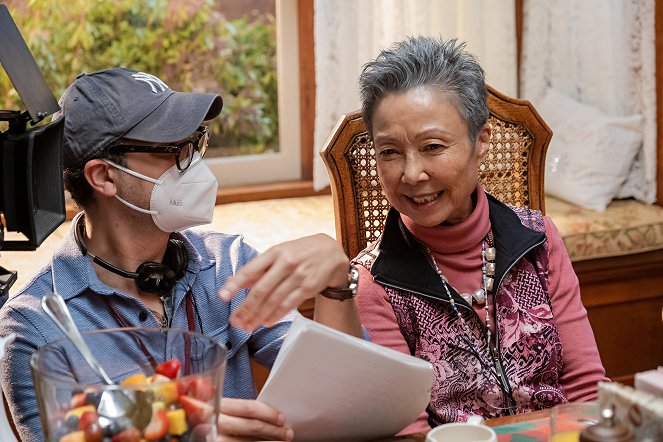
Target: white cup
point(471, 431)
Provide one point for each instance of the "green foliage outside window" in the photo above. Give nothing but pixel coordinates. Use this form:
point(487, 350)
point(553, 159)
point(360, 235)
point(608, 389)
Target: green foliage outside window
point(187, 43)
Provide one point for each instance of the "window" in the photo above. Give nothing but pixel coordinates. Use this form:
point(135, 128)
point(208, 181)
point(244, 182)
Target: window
point(191, 57)
point(284, 163)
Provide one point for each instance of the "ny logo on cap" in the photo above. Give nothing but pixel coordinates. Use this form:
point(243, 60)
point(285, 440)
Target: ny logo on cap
point(153, 81)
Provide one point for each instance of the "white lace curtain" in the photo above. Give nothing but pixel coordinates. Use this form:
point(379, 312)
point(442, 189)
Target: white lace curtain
point(602, 53)
point(350, 33)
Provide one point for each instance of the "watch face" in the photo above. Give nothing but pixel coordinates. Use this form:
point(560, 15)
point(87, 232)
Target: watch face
point(353, 279)
point(344, 293)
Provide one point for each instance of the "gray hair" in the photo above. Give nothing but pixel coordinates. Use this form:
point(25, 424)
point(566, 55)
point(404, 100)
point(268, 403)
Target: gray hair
point(427, 62)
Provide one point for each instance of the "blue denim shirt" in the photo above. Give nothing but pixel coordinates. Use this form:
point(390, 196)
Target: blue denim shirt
point(213, 258)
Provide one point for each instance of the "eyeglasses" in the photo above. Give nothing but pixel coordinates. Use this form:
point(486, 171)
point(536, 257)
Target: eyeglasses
point(183, 151)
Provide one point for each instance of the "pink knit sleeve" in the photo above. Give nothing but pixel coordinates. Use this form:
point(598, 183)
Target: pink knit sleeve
point(379, 319)
point(582, 364)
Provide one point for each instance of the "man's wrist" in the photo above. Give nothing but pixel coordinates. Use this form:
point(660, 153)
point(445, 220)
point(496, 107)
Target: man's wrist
point(347, 292)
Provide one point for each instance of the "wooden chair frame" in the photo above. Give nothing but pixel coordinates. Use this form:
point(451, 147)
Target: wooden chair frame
point(354, 183)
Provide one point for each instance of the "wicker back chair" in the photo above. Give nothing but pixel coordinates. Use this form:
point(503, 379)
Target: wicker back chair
point(512, 170)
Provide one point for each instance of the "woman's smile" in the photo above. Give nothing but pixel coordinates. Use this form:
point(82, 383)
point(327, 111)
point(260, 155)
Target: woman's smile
point(423, 199)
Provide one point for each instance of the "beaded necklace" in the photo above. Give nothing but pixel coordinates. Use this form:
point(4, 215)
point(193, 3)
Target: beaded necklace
point(480, 295)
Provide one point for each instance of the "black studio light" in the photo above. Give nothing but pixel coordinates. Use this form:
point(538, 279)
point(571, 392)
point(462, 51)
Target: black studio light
point(32, 189)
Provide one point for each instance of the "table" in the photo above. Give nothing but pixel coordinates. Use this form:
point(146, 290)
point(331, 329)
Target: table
point(529, 427)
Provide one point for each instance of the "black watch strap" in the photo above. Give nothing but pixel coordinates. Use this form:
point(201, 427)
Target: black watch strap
point(348, 292)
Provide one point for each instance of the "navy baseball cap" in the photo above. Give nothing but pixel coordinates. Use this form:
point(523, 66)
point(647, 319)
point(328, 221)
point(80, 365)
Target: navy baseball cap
point(104, 107)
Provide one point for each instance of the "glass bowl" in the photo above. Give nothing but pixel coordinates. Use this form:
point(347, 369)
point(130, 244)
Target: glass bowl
point(169, 386)
point(569, 419)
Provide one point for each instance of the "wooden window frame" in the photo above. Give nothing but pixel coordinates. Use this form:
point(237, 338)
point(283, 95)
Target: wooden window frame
point(658, 17)
point(304, 186)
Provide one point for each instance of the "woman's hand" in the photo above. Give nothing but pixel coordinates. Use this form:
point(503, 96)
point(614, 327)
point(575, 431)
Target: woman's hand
point(244, 420)
point(283, 277)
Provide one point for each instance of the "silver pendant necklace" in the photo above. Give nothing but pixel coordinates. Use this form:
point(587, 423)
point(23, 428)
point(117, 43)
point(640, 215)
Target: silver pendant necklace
point(488, 254)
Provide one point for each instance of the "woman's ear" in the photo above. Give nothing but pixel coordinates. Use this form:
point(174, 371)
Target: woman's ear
point(483, 141)
point(101, 177)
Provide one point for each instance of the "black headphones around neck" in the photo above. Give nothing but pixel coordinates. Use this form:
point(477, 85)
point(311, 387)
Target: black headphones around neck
point(150, 276)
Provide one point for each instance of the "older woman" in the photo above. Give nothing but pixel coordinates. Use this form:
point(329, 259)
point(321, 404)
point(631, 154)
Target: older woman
point(482, 290)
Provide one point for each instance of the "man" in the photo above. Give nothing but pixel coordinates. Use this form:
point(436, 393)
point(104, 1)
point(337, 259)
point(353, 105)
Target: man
point(132, 158)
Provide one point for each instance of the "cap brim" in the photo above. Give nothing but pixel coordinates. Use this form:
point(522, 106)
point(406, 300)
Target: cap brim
point(176, 118)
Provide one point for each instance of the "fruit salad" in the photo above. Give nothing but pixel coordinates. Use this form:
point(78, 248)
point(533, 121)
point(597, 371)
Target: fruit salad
point(171, 409)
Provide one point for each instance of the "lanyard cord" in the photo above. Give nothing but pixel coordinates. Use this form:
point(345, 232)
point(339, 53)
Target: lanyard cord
point(187, 339)
point(123, 322)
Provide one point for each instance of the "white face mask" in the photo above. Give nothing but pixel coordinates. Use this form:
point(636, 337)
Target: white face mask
point(179, 200)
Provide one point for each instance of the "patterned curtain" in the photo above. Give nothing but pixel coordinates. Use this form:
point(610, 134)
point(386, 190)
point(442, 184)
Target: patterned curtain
point(350, 33)
point(601, 53)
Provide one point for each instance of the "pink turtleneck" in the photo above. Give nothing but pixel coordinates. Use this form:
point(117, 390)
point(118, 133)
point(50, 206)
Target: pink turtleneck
point(457, 251)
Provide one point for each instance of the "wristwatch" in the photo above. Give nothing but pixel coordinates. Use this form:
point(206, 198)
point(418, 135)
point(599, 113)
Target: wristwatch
point(348, 292)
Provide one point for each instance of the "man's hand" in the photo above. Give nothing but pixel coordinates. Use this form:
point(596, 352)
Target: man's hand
point(243, 419)
point(283, 277)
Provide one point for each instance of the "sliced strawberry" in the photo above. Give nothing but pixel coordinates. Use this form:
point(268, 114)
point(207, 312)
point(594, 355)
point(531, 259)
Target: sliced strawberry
point(78, 400)
point(94, 433)
point(197, 411)
point(87, 418)
point(201, 388)
point(183, 386)
point(128, 435)
point(158, 426)
point(170, 368)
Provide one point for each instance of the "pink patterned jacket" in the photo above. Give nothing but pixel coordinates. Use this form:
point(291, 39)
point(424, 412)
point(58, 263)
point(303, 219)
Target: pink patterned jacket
point(523, 372)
